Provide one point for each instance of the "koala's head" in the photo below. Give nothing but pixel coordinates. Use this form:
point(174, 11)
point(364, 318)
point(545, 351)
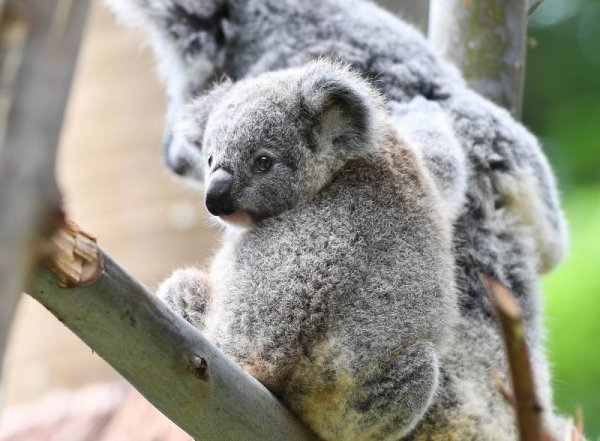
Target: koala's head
point(265, 144)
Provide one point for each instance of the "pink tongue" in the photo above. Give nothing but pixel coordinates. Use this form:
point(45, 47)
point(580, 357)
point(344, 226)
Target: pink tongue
point(238, 217)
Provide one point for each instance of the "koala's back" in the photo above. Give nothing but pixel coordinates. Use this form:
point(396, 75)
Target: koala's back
point(367, 263)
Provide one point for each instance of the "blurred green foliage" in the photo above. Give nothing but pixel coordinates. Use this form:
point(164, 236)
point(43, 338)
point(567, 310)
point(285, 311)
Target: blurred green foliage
point(573, 312)
point(562, 88)
point(562, 106)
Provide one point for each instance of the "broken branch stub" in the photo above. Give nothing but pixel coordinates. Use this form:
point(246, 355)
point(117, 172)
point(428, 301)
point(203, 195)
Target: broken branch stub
point(75, 256)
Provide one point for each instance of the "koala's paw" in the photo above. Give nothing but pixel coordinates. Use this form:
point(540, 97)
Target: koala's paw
point(186, 292)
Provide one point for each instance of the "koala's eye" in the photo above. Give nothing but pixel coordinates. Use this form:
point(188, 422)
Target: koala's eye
point(263, 163)
point(210, 161)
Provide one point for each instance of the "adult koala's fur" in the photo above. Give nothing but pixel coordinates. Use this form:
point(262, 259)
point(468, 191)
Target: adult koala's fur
point(338, 294)
point(511, 226)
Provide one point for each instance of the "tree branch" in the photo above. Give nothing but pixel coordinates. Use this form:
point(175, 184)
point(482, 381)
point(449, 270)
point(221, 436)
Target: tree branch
point(523, 395)
point(159, 353)
point(39, 42)
point(487, 41)
point(525, 400)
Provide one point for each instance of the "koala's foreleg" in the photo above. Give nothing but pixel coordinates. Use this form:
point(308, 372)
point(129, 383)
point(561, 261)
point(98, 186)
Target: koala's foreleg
point(187, 292)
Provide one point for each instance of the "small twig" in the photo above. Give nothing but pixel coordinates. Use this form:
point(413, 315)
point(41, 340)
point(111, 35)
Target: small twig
point(522, 397)
point(527, 406)
point(534, 6)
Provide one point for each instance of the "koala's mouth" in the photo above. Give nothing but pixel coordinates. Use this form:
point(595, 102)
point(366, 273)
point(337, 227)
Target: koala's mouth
point(240, 218)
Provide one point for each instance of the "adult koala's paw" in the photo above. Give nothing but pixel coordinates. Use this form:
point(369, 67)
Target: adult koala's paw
point(186, 292)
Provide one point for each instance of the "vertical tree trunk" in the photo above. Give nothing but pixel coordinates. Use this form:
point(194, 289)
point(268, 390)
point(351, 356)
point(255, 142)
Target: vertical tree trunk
point(39, 42)
point(486, 39)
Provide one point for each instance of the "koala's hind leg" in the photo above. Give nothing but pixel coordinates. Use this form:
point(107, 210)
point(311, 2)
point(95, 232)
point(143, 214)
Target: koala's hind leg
point(392, 400)
point(187, 292)
point(370, 400)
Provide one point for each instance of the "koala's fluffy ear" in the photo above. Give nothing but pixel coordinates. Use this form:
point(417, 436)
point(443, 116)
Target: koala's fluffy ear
point(343, 107)
point(195, 115)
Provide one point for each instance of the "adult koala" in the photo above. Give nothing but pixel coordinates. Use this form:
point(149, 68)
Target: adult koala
point(511, 226)
point(337, 292)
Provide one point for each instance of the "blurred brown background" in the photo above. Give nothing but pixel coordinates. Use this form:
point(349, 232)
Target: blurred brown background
point(115, 185)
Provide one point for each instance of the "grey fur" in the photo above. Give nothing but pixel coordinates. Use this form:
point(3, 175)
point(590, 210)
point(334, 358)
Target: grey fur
point(199, 41)
point(511, 225)
point(339, 293)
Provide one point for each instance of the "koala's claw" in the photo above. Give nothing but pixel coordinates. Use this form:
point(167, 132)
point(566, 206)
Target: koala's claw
point(186, 293)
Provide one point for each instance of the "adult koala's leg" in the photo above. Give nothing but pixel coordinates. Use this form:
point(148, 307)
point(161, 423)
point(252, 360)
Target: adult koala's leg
point(365, 400)
point(505, 163)
point(187, 292)
point(426, 126)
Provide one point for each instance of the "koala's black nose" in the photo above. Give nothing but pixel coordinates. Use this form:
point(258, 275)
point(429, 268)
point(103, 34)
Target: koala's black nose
point(218, 194)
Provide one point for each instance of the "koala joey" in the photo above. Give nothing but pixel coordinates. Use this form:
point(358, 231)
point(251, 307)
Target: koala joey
point(334, 285)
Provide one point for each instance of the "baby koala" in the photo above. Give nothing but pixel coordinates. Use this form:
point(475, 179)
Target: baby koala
point(334, 285)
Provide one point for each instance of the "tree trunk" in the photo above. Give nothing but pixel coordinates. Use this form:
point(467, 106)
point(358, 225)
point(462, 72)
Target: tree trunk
point(39, 42)
point(486, 39)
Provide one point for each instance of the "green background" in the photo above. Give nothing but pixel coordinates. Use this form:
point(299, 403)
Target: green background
point(562, 106)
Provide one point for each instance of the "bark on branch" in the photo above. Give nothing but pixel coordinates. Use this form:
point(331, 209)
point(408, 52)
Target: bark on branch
point(524, 398)
point(159, 353)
